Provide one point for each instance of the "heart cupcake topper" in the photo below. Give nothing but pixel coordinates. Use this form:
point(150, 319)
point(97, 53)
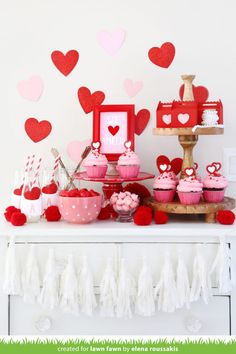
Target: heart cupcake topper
point(211, 169)
point(96, 145)
point(175, 165)
point(128, 145)
point(217, 165)
point(195, 165)
point(164, 167)
point(190, 171)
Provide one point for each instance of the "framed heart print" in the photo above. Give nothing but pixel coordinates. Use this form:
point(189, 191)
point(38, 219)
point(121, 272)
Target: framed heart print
point(113, 125)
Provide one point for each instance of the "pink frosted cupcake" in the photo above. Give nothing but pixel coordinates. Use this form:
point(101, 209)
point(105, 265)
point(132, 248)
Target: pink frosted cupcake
point(189, 188)
point(214, 184)
point(128, 164)
point(95, 164)
point(164, 187)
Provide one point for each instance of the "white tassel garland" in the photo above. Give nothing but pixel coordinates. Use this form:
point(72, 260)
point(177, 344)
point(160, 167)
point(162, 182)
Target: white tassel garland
point(31, 277)
point(182, 283)
point(166, 288)
point(69, 288)
point(222, 268)
point(145, 304)
point(12, 278)
point(87, 297)
point(125, 293)
point(108, 291)
point(49, 296)
point(201, 285)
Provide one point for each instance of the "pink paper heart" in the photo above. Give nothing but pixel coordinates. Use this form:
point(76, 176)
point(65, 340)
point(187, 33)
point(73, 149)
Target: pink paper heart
point(31, 89)
point(75, 149)
point(111, 42)
point(132, 88)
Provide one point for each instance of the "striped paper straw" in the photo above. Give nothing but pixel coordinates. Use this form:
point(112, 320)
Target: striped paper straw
point(31, 163)
point(26, 168)
point(37, 171)
point(56, 164)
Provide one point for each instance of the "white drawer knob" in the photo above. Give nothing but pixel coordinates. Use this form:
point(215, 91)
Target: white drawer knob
point(193, 324)
point(43, 324)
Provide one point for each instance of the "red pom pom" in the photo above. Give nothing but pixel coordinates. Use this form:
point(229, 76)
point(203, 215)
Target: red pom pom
point(138, 189)
point(9, 211)
point(143, 216)
point(18, 219)
point(160, 217)
point(52, 213)
point(106, 213)
point(226, 217)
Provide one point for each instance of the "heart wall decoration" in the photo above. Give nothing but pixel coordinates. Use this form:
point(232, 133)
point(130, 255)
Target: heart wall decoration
point(37, 130)
point(162, 56)
point(141, 121)
point(200, 93)
point(89, 100)
point(132, 88)
point(75, 149)
point(65, 63)
point(111, 42)
point(31, 89)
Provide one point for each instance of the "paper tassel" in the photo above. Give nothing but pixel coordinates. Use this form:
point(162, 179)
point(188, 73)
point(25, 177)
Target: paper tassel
point(166, 288)
point(31, 277)
point(145, 305)
point(222, 268)
point(69, 301)
point(12, 278)
point(125, 293)
point(182, 283)
point(201, 285)
point(49, 296)
point(108, 291)
point(87, 297)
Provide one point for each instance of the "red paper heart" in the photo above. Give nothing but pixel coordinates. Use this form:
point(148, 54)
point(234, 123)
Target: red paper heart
point(18, 191)
point(141, 121)
point(113, 130)
point(190, 171)
point(161, 160)
point(36, 130)
point(211, 169)
point(65, 63)
point(50, 188)
point(162, 56)
point(200, 93)
point(88, 101)
point(176, 163)
point(33, 194)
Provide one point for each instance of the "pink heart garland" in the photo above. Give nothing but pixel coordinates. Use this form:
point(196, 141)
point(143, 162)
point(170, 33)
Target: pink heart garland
point(132, 88)
point(111, 42)
point(31, 89)
point(75, 149)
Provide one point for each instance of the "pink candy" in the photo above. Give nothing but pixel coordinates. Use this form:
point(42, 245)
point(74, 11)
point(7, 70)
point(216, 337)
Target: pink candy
point(124, 201)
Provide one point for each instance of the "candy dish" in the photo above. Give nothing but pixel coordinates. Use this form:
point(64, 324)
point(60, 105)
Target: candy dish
point(124, 204)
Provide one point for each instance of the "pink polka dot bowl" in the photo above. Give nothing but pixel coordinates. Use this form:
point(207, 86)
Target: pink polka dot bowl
point(80, 210)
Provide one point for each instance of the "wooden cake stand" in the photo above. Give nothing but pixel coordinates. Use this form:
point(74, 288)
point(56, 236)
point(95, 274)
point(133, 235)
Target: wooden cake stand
point(188, 139)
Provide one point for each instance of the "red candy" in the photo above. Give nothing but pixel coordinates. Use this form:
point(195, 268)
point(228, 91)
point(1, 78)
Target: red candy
point(79, 193)
point(50, 188)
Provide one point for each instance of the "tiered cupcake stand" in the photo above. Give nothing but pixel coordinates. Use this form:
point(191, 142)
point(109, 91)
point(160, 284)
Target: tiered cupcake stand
point(188, 140)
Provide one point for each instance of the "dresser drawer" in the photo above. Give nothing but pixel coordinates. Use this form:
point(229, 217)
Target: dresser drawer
point(97, 254)
point(211, 319)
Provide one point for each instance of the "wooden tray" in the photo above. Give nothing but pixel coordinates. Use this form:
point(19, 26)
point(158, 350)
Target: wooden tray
point(209, 209)
point(188, 131)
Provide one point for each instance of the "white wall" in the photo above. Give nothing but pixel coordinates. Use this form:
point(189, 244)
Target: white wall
point(202, 32)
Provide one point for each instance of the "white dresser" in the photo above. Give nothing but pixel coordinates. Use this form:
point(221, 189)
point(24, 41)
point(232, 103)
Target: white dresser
point(110, 239)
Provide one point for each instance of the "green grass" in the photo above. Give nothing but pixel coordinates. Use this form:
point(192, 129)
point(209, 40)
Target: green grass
point(38, 346)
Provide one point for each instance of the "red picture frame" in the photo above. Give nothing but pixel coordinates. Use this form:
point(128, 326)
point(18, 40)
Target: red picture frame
point(113, 125)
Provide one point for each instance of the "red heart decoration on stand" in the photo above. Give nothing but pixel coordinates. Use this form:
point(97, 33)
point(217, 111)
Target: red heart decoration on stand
point(89, 100)
point(141, 120)
point(190, 171)
point(113, 130)
point(200, 93)
point(65, 63)
point(162, 56)
point(211, 169)
point(36, 130)
point(176, 163)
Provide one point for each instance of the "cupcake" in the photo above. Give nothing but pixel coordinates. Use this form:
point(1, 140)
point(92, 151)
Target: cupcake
point(95, 164)
point(128, 163)
point(189, 188)
point(164, 187)
point(214, 184)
